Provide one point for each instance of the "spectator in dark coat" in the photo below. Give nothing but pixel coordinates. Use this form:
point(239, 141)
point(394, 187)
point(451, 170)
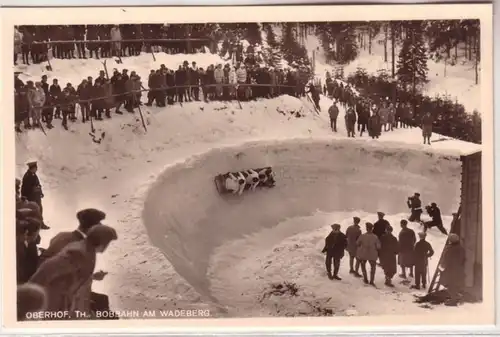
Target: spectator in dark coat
point(84, 92)
point(407, 240)
point(335, 244)
point(381, 225)
point(353, 233)
point(31, 188)
point(55, 93)
point(27, 235)
point(389, 248)
point(333, 112)
point(415, 205)
point(453, 265)
point(437, 221)
point(422, 252)
point(350, 122)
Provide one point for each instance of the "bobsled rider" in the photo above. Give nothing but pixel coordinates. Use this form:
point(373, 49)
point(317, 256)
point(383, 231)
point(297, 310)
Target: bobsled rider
point(235, 183)
point(266, 177)
point(252, 179)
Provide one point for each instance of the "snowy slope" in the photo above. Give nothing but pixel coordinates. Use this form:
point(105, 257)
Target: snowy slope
point(117, 175)
point(458, 84)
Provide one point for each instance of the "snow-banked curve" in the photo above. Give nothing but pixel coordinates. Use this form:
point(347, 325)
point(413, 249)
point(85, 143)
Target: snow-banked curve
point(187, 219)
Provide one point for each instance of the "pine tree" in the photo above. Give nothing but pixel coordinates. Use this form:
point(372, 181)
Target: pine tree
point(291, 49)
point(339, 41)
point(273, 53)
point(412, 63)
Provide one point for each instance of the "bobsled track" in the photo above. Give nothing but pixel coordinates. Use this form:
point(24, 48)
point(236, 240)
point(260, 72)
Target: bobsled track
point(187, 219)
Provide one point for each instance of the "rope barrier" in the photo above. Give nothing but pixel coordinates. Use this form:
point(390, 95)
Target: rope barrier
point(163, 89)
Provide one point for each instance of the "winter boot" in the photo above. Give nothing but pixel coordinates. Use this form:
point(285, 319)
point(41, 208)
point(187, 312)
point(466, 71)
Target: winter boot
point(336, 277)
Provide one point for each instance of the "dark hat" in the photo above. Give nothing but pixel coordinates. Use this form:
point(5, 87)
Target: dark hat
point(417, 194)
point(335, 226)
point(356, 219)
point(369, 225)
point(17, 73)
point(90, 216)
point(32, 164)
point(381, 213)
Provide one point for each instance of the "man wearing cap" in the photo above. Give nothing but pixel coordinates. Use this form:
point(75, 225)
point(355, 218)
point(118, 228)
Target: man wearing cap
point(31, 188)
point(368, 246)
point(87, 219)
point(437, 221)
point(422, 252)
point(407, 240)
point(381, 225)
point(335, 244)
point(389, 249)
point(415, 206)
point(352, 233)
point(453, 268)
point(27, 237)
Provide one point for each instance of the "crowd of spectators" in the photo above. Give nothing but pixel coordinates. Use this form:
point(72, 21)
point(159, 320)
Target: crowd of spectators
point(38, 103)
point(81, 41)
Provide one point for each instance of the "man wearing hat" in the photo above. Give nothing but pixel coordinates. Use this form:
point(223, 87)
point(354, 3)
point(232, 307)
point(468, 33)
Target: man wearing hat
point(31, 189)
point(27, 238)
point(389, 249)
point(437, 221)
point(381, 225)
point(407, 240)
point(422, 252)
point(415, 205)
point(335, 244)
point(368, 250)
point(352, 233)
point(87, 219)
point(453, 268)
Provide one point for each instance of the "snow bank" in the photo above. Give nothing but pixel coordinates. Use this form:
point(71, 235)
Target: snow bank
point(312, 175)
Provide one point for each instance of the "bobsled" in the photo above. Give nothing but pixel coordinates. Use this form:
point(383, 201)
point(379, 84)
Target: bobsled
point(237, 182)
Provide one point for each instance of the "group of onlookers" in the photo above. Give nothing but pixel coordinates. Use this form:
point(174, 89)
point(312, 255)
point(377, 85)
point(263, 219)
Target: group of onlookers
point(57, 280)
point(371, 116)
point(39, 103)
point(82, 41)
point(379, 245)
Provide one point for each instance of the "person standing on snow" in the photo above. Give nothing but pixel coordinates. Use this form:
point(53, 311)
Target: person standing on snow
point(368, 246)
point(31, 188)
point(350, 122)
point(353, 233)
point(388, 252)
point(415, 205)
point(381, 225)
point(422, 252)
point(116, 44)
point(333, 112)
point(427, 128)
point(407, 240)
point(335, 244)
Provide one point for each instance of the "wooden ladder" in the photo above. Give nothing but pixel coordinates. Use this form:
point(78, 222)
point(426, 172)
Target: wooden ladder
point(436, 278)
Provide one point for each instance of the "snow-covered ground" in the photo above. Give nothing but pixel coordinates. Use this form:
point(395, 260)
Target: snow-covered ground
point(459, 82)
point(162, 179)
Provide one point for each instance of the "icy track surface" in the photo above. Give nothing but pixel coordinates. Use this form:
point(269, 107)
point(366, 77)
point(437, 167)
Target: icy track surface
point(195, 227)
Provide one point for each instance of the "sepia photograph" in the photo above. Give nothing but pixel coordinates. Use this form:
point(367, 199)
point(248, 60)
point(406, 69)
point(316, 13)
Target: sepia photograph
point(214, 163)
